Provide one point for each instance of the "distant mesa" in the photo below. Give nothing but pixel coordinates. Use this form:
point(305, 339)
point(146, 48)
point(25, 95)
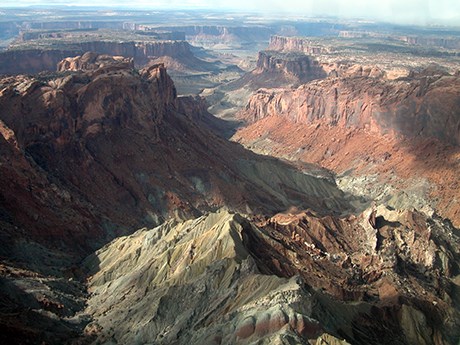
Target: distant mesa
point(27, 57)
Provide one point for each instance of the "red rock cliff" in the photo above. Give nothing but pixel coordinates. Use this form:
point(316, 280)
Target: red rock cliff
point(425, 105)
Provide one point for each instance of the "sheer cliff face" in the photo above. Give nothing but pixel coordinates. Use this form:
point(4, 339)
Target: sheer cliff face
point(298, 68)
point(424, 106)
point(63, 137)
point(34, 61)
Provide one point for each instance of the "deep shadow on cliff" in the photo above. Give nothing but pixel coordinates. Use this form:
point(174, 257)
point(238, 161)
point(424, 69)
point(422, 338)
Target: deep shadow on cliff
point(94, 154)
point(99, 150)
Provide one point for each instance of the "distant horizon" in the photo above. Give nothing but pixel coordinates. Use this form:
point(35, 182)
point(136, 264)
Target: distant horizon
point(411, 12)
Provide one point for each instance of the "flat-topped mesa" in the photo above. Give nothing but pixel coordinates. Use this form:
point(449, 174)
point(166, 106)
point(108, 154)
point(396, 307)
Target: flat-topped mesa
point(296, 44)
point(216, 34)
point(141, 52)
point(295, 65)
point(432, 41)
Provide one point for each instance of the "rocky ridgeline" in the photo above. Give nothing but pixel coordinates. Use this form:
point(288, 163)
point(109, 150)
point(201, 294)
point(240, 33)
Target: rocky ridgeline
point(101, 149)
point(222, 279)
point(73, 129)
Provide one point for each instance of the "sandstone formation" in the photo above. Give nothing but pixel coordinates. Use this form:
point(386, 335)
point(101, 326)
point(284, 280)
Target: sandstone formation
point(297, 44)
point(389, 53)
point(201, 286)
point(233, 247)
point(99, 150)
point(207, 35)
point(422, 106)
point(93, 61)
point(276, 69)
point(451, 42)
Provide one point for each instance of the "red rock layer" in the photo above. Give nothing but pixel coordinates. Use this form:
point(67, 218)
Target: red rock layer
point(407, 128)
point(396, 263)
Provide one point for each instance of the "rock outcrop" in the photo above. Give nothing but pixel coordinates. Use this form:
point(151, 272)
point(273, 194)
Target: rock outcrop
point(276, 70)
point(99, 150)
point(297, 68)
point(397, 138)
point(93, 61)
point(222, 279)
point(221, 34)
point(200, 284)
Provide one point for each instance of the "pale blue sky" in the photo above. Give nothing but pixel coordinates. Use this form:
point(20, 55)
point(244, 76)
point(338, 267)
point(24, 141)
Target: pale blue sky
point(412, 11)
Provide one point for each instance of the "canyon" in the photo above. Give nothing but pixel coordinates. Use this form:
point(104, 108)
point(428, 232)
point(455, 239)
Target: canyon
point(276, 182)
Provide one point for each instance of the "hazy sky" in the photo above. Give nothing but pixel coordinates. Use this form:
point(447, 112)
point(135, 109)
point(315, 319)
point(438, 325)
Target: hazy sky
point(413, 11)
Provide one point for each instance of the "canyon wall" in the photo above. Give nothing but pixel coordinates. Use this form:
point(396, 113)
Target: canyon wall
point(422, 106)
point(121, 151)
point(222, 33)
point(35, 60)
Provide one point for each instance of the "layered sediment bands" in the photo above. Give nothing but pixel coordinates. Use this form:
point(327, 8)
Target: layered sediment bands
point(443, 42)
point(424, 106)
point(296, 44)
point(140, 51)
point(398, 139)
point(93, 61)
point(32, 61)
point(36, 60)
point(276, 70)
point(394, 262)
point(212, 34)
point(222, 279)
point(193, 283)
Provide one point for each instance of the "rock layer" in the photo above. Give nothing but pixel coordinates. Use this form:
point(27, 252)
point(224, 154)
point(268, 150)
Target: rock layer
point(38, 60)
point(423, 106)
point(296, 44)
point(200, 285)
point(391, 135)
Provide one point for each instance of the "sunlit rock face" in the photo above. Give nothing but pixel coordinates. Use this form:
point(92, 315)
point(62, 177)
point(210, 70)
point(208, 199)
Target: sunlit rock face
point(223, 279)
